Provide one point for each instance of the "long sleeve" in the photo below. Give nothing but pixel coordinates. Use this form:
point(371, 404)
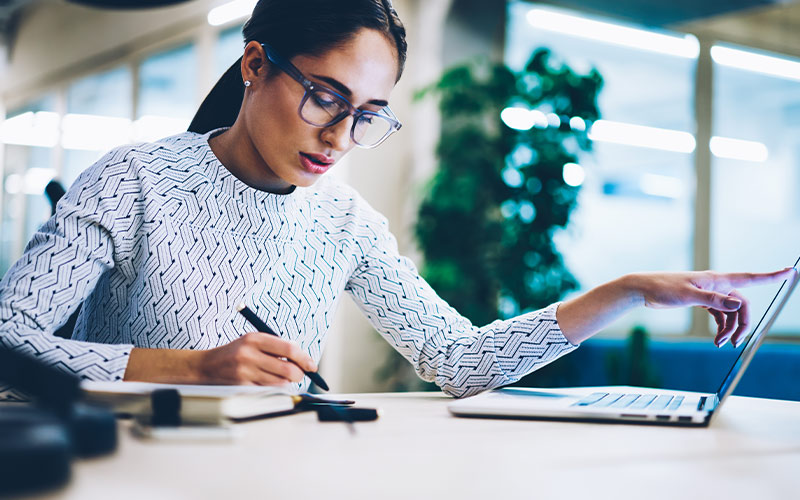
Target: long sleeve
point(442, 345)
point(61, 266)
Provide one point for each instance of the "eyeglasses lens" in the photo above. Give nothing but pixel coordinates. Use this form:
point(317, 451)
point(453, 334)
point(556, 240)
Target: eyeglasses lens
point(322, 108)
point(371, 129)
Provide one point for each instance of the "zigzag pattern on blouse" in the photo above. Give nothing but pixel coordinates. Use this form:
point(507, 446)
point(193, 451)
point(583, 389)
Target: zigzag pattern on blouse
point(160, 242)
point(443, 346)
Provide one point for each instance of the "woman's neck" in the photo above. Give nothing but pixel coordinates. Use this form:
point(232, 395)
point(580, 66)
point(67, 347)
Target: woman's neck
point(234, 149)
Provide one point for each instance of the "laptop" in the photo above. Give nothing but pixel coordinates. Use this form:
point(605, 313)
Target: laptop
point(624, 404)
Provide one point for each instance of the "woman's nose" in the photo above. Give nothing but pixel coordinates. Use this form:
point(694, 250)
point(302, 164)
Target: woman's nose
point(337, 135)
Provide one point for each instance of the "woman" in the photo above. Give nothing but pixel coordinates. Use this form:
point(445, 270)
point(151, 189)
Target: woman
point(160, 241)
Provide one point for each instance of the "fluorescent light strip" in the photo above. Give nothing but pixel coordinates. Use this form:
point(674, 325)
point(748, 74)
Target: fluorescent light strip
point(758, 63)
point(738, 149)
point(230, 11)
point(682, 46)
point(94, 132)
point(639, 135)
point(604, 130)
point(31, 129)
point(85, 132)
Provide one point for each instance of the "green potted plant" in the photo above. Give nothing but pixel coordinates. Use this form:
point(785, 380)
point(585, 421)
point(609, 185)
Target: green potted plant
point(486, 223)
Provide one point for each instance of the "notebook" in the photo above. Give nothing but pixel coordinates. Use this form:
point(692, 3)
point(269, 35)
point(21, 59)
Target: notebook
point(200, 404)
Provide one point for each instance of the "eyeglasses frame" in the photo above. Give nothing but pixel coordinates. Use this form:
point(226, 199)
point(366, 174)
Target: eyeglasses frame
point(290, 69)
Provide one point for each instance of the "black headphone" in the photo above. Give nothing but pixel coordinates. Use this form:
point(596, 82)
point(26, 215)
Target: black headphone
point(39, 439)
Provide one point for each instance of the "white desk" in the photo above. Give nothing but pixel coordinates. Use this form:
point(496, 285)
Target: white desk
point(417, 450)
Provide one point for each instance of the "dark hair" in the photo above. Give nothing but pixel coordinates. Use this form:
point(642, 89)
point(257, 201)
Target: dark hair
point(296, 27)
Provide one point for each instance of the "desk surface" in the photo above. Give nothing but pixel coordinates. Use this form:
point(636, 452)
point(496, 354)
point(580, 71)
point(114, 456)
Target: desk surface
point(418, 450)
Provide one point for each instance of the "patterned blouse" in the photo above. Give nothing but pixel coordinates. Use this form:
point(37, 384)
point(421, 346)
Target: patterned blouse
point(160, 242)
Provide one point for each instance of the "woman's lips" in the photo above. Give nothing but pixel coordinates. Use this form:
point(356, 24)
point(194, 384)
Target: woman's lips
point(314, 163)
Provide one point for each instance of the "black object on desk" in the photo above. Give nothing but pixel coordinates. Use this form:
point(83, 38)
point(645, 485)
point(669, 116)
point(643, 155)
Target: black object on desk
point(38, 441)
point(35, 450)
point(334, 413)
point(166, 405)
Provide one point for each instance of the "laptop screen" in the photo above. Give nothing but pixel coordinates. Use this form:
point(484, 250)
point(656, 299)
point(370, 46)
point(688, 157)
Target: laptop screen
point(757, 336)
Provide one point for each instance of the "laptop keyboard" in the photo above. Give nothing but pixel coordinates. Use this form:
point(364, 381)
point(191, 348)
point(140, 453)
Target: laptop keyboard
point(631, 401)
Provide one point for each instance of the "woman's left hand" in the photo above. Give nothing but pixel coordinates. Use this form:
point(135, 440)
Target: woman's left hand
point(714, 291)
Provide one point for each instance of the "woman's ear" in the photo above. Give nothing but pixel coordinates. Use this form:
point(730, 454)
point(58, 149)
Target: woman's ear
point(254, 62)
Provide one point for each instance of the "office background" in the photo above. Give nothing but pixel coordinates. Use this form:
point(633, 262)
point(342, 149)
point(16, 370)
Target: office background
point(695, 164)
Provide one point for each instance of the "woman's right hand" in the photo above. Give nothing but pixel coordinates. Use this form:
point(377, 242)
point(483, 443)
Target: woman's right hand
point(255, 359)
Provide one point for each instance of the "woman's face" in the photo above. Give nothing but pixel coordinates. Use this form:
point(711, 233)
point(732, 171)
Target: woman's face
point(292, 152)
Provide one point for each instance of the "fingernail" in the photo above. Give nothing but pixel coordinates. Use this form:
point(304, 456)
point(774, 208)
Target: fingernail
point(732, 303)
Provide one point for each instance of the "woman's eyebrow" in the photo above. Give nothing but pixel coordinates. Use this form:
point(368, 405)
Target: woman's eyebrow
point(342, 89)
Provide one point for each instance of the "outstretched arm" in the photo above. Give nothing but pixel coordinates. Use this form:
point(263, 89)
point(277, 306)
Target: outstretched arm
point(464, 359)
point(587, 314)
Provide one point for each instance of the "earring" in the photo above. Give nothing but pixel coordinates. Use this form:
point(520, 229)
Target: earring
point(247, 83)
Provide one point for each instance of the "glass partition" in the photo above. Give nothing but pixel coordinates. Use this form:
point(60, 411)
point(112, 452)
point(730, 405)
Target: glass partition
point(755, 209)
point(99, 107)
point(635, 207)
point(27, 169)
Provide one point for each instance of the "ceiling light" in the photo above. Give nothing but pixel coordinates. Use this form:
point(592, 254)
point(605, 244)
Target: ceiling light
point(94, 132)
point(738, 149)
point(675, 45)
point(31, 129)
point(753, 61)
point(642, 136)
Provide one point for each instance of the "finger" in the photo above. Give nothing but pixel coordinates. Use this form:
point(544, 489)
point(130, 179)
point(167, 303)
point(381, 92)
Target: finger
point(715, 300)
point(743, 323)
point(730, 324)
point(719, 318)
point(285, 370)
point(260, 377)
point(276, 346)
point(750, 279)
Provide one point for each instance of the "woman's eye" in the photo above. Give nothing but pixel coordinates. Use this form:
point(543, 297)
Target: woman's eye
point(324, 101)
point(367, 119)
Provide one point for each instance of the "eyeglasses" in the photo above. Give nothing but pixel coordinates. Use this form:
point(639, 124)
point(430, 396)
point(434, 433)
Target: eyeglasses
point(322, 107)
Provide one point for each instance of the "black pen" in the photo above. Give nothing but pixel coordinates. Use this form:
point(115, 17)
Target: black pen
point(263, 327)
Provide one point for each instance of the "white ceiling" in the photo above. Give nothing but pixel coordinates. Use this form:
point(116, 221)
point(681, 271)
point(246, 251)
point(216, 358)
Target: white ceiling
point(774, 28)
